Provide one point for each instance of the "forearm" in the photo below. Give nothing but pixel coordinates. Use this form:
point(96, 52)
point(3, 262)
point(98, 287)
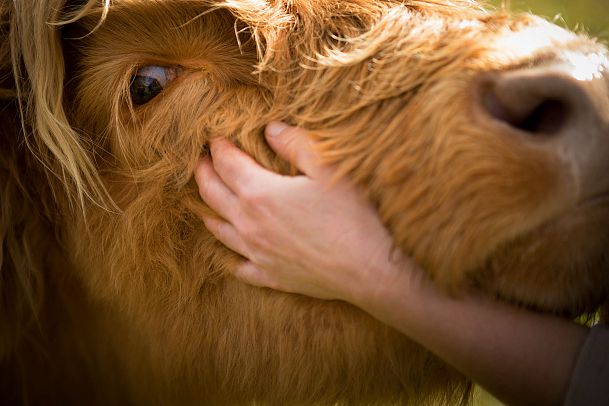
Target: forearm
point(519, 356)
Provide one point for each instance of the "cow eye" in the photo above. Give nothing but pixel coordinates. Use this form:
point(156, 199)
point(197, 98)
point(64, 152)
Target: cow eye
point(149, 81)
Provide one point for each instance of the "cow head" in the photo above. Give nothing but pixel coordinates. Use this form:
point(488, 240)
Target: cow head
point(481, 137)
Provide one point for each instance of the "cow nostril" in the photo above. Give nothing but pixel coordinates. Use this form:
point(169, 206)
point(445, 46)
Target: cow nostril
point(530, 114)
point(547, 118)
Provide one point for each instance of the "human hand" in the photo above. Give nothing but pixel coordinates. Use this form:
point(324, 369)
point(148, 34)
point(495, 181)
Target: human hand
point(300, 234)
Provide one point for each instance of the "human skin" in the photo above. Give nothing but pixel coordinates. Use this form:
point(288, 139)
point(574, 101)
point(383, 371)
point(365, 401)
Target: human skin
point(309, 235)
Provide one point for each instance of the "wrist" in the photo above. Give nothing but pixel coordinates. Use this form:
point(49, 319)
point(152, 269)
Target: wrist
point(389, 281)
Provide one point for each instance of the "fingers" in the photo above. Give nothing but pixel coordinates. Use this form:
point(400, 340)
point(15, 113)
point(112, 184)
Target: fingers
point(241, 173)
point(238, 170)
point(294, 145)
point(226, 234)
point(214, 192)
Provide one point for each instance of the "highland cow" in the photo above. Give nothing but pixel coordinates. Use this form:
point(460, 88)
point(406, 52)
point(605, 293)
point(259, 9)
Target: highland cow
point(481, 137)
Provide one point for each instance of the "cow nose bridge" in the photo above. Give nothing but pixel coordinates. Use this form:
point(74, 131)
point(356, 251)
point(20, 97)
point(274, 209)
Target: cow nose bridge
point(562, 106)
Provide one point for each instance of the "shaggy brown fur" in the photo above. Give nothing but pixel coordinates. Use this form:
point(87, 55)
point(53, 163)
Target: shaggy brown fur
point(111, 290)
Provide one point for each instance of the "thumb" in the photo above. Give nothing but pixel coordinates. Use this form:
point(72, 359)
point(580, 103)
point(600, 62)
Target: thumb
point(295, 146)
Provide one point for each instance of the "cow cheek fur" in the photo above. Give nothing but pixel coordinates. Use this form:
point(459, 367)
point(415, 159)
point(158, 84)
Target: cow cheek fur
point(192, 332)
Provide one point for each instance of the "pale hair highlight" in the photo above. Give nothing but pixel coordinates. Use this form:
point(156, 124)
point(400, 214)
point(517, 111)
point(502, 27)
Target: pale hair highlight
point(39, 72)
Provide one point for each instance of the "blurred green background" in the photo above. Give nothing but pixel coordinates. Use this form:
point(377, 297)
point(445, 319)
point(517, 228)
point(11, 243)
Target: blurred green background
point(590, 16)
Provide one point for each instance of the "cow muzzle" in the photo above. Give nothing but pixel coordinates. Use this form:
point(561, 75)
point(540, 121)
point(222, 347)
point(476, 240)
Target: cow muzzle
point(563, 106)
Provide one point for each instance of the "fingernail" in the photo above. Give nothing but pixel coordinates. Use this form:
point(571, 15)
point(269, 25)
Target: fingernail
point(274, 128)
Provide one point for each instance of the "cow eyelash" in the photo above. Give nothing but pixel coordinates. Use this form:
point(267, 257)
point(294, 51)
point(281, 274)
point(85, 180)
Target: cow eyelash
point(149, 81)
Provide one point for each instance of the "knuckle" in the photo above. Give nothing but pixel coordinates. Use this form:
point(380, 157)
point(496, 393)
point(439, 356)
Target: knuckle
point(258, 258)
point(217, 229)
point(253, 198)
point(264, 247)
point(240, 273)
point(257, 240)
point(252, 274)
point(223, 165)
point(248, 232)
point(271, 281)
point(223, 162)
point(262, 278)
point(204, 188)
